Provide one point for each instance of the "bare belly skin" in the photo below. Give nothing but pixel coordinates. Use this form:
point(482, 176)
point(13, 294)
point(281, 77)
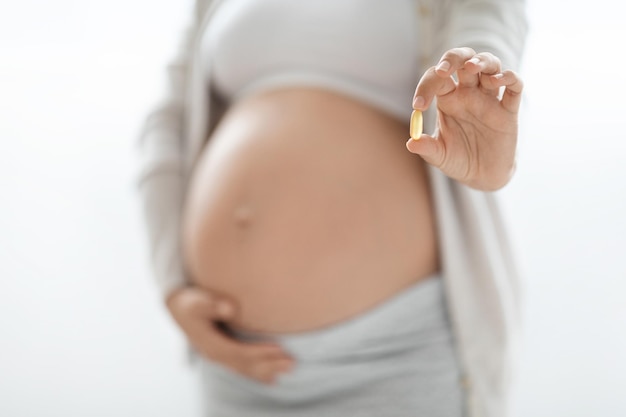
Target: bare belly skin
point(306, 209)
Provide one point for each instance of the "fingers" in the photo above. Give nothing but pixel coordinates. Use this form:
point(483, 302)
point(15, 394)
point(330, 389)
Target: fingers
point(201, 303)
point(263, 362)
point(197, 310)
point(453, 61)
point(430, 85)
point(477, 71)
point(472, 69)
point(438, 81)
point(512, 96)
point(471, 72)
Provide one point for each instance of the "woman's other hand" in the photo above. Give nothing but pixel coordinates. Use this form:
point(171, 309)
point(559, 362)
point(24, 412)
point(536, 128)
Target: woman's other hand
point(197, 311)
point(476, 135)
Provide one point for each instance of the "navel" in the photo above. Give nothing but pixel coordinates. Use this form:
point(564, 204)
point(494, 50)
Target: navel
point(242, 216)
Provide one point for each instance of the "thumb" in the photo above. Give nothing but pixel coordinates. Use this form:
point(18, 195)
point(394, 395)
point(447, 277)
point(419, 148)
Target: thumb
point(430, 149)
point(201, 303)
point(224, 309)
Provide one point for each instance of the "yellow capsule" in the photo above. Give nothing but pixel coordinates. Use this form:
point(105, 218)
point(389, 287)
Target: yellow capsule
point(417, 124)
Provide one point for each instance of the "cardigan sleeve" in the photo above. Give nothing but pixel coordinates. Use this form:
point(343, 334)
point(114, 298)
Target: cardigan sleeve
point(496, 26)
point(477, 261)
point(161, 180)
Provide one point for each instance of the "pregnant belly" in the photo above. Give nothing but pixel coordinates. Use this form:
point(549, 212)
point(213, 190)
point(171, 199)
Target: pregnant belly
point(305, 208)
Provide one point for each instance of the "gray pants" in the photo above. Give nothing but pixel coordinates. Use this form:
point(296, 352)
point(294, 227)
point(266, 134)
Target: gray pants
point(395, 360)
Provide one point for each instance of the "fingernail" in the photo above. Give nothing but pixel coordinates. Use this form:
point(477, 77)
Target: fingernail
point(498, 76)
point(224, 309)
point(474, 60)
point(418, 102)
point(443, 66)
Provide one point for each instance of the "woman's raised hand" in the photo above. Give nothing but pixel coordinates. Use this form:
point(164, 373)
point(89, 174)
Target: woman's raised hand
point(476, 134)
point(196, 311)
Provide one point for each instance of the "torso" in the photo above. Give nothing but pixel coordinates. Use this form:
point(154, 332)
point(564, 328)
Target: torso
point(305, 208)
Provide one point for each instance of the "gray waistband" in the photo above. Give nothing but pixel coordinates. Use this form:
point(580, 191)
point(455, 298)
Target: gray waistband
point(396, 359)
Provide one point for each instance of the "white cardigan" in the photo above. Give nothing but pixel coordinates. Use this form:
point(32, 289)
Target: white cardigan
point(477, 265)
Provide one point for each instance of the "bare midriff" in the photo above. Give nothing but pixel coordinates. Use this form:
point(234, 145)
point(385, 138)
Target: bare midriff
point(306, 209)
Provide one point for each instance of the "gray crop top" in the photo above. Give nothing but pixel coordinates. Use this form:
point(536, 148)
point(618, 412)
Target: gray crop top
point(367, 49)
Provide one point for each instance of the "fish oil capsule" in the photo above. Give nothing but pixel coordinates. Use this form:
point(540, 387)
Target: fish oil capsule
point(417, 124)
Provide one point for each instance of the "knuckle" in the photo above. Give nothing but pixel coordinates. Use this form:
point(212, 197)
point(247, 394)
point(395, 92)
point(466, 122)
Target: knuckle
point(179, 301)
point(515, 82)
point(449, 54)
point(490, 60)
point(488, 56)
point(193, 309)
point(510, 74)
point(195, 304)
point(460, 52)
point(426, 82)
point(452, 55)
point(431, 72)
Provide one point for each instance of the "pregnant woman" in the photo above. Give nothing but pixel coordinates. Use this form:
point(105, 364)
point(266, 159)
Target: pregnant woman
point(314, 261)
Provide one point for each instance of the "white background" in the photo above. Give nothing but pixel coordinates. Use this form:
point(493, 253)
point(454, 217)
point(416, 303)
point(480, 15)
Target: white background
point(82, 331)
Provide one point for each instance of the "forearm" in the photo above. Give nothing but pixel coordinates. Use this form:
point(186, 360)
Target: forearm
point(161, 200)
point(162, 172)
